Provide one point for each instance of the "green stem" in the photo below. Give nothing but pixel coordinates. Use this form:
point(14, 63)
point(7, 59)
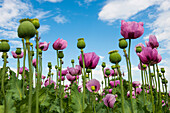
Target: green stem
point(73, 65)
point(91, 74)
point(145, 84)
point(30, 77)
point(3, 80)
point(60, 86)
point(84, 78)
point(152, 98)
point(142, 81)
point(122, 91)
point(38, 76)
point(18, 65)
point(157, 103)
point(94, 103)
point(23, 73)
point(129, 79)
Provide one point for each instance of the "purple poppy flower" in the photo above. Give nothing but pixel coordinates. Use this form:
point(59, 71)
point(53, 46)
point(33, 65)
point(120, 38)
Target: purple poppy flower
point(64, 72)
point(60, 44)
point(43, 46)
point(135, 84)
point(21, 70)
point(34, 62)
point(91, 60)
point(65, 96)
point(109, 100)
point(133, 94)
point(43, 77)
point(110, 91)
point(16, 56)
point(46, 83)
point(70, 77)
point(62, 78)
point(95, 83)
point(79, 88)
point(153, 43)
point(115, 84)
point(114, 72)
point(74, 71)
point(149, 55)
point(138, 90)
point(131, 30)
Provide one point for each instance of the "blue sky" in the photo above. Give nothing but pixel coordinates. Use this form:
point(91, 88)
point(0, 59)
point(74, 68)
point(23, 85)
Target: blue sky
point(97, 21)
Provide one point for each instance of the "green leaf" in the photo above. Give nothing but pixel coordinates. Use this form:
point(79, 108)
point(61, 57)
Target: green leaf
point(10, 104)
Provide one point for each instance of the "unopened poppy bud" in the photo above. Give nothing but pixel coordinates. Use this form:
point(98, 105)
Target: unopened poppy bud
point(166, 81)
point(162, 70)
point(144, 66)
point(4, 46)
point(160, 75)
point(138, 49)
point(103, 64)
point(163, 81)
point(114, 57)
point(56, 66)
point(81, 44)
point(102, 82)
point(49, 74)
point(87, 76)
point(107, 72)
point(78, 57)
point(49, 65)
point(113, 67)
point(88, 70)
point(52, 73)
point(31, 44)
point(152, 75)
point(40, 51)
point(32, 53)
point(93, 88)
point(35, 22)
point(60, 54)
point(18, 51)
point(72, 61)
point(59, 68)
point(122, 43)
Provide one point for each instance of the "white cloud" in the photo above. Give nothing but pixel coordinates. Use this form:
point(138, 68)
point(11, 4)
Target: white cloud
point(53, 1)
point(42, 14)
point(15, 43)
point(88, 1)
point(101, 58)
point(44, 29)
point(123, 9)
point(60, 19)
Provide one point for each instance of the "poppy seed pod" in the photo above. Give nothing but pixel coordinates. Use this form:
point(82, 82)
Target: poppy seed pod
point(72, 61)
point(35, 22)
point(88, 70)
point(144, 66)
point(60, 54)
point(122, 43)
point(166, 81)
point(4, 46)
point(18, 51)
point(107, 72)
point(138, 49)
point(103, 64)
point(26, 30)
point(81, 44)
point(160, 75)
point(162, 70)
point(163, 81)
point(114, 57)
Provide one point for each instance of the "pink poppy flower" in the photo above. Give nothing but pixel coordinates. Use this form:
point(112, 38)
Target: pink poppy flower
point(60, 44)
point(95, 83)
point(153, 43)
point(16, 56)
point(109, 100)
point(43, 46)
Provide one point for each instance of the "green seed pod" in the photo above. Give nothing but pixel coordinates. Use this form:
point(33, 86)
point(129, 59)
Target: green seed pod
point(56, 66)
point(162, 70)
point(122, 43)
point(81, 44)
point(40, 51)
point(114, 57)
point(138, 49)
point(4, 46)
point(107, 72)
point(166, 81)
point(72, 61)
point(144, 66)
point(26, 30)
point(160, 75)
point(60, 54)
point(88, 70)
point(103, 64)
point(18, 51)
point(36, 23)
point(163, 81)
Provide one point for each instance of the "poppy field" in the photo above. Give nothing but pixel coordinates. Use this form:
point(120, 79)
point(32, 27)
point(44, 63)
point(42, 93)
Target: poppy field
point(22, 93)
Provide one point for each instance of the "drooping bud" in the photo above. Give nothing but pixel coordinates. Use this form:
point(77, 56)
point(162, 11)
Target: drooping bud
point(81, 44)
point(122, 43)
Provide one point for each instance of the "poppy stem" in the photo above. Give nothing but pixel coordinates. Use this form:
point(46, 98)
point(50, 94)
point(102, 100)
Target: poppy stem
point(18, 66)
point(23, 73)
point(60, 86)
